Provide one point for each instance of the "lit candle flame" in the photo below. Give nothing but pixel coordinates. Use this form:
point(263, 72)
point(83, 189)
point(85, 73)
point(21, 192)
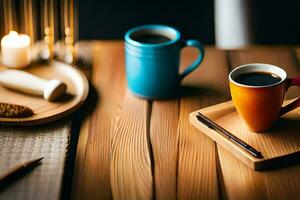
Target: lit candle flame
point(15, 40)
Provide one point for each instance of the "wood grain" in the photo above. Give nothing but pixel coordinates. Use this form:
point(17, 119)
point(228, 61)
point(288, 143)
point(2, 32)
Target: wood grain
point(114, 155)
point(279, 146)
point(92, 166)
point(131, 175)
point(282, 183)
point(297, 53)
point(164, 141)
point(197, 175)
point(240, 181)
point(249, 184)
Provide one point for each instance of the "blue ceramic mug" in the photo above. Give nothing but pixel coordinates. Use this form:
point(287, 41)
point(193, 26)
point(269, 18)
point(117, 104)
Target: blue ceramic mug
point(152, 61)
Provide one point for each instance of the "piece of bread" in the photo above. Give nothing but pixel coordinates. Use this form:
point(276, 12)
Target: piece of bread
point(14, 111)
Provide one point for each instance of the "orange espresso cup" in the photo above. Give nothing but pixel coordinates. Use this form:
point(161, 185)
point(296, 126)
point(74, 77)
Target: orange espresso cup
point(260, 106)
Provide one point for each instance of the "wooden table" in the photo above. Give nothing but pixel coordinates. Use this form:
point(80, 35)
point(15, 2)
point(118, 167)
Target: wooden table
point(129, 148)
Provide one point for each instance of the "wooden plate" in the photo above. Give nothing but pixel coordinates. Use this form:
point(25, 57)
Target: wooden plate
point(279, 146)
point(44, 111)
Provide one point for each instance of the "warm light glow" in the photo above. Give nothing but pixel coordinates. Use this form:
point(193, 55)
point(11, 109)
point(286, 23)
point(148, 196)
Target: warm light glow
point(15, 40)
point(16, 50)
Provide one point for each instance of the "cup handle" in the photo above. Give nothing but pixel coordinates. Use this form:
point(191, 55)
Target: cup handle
point(196, 63)
point(295, 104)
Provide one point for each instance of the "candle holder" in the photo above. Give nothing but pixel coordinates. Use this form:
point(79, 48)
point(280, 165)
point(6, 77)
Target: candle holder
point(9, 15)
point(69, 10)
point(49, 8)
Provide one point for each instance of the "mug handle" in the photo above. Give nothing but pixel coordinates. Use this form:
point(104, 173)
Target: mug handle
point(195, 64)
point(295, 104)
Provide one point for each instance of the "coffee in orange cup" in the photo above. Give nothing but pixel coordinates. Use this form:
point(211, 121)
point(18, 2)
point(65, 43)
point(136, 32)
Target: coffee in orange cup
point(258, 91)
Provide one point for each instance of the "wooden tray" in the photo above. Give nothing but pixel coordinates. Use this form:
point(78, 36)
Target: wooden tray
point(45, 111)
point(279, 146)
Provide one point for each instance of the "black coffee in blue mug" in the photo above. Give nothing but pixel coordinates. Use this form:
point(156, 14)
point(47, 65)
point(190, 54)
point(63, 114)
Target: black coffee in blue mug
point(152, 61)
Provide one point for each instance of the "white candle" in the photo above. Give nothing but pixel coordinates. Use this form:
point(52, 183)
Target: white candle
point(16, 50)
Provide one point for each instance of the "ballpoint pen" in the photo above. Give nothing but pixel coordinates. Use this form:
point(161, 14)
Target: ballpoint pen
point(229, 135)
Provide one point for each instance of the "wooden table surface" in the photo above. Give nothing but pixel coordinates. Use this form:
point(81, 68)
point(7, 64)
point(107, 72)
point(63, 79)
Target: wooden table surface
point(130, 148)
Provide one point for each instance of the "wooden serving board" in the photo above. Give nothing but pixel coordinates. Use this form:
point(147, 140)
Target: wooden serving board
point(279, 146)
point(45, 111)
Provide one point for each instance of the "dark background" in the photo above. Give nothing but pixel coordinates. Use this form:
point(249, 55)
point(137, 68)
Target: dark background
point(276, 22)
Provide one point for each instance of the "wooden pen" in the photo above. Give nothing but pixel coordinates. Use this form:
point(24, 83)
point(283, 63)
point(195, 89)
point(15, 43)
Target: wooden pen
point(14, 171)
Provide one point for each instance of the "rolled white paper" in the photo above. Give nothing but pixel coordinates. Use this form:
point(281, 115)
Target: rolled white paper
point(16, 50)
